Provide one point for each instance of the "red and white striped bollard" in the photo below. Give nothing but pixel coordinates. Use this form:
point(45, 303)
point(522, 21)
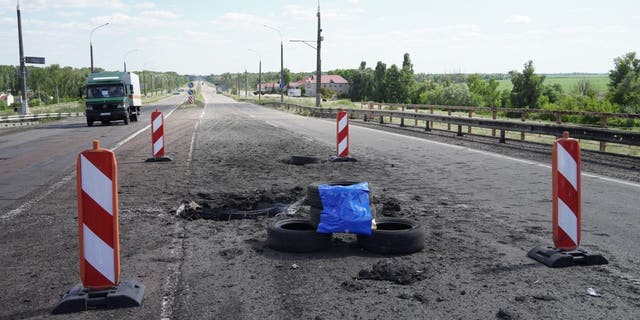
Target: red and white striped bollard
point(98, 218)
point(566, 193)
point(157, 137)
point(342, 125)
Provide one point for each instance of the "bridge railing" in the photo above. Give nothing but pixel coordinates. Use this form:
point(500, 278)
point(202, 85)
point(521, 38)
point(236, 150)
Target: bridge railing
point(603, 135)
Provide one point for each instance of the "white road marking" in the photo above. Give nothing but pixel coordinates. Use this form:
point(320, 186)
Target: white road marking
point(272, 124)
point(500, 156)
point(27, 205)
point(171, 282)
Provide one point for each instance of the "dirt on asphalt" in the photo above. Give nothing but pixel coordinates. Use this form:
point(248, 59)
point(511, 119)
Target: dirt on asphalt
point(179, 237)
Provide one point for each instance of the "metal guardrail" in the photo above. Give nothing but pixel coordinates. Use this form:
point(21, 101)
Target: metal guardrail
point(38, 117)
point(580, 132)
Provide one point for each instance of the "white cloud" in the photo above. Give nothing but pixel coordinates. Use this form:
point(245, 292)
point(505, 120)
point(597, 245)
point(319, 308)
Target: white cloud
point(234, 20)
point(516, 19)
point(160, 14)
point(69, 14)
point(613, 29)
point(307, 13)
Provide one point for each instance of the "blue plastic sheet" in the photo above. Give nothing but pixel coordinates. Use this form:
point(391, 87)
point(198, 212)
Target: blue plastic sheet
point(345, 209)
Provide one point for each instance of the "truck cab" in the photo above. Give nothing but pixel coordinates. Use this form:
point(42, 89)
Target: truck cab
point(112, 96)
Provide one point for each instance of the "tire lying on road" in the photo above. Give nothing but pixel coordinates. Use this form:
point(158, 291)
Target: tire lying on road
point(296, 235)
point(394, 235)
point(313, 195)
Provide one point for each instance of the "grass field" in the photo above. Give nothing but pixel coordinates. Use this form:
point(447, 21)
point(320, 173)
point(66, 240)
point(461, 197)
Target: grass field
point(568, 82)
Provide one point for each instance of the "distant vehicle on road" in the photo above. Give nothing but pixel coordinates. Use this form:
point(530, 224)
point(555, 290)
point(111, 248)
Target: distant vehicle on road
point(112, 96)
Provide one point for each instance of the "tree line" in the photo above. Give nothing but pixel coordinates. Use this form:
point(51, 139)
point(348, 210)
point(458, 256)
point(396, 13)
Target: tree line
point(53, 84)
point(399, 84)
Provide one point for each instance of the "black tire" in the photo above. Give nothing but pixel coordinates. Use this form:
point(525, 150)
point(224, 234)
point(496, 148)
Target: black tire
point(89, 123)
point(296, 235)
point(313, 196)
point(133, 118)
point(314, 214)
point(302, 160)
point(394, 235)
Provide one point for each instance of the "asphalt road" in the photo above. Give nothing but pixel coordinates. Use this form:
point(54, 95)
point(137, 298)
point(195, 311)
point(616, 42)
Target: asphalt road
point(515, 190)
point(481, 212)
point(33, 160)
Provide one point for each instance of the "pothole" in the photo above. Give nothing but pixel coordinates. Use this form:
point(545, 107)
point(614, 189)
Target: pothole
point(249, 205)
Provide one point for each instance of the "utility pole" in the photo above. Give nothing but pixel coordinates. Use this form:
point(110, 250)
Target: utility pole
point(246, 84)
point(318, 67)
point(281, 62)
point(260, 79)
point(24, 105)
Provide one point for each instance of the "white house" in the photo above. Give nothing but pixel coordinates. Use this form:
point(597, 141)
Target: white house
point(7, 98)
point(334, 83)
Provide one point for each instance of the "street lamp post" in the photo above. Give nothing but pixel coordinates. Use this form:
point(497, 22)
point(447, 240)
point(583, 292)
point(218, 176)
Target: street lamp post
point(318, 69)
point(318, 65)
point(281, 63)
point(259, 74)
point(124, 60)
point(91, 43)
point(24, 104)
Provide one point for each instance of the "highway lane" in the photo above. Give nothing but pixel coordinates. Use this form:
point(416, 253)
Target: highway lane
point(35, 160)
point(515, 193)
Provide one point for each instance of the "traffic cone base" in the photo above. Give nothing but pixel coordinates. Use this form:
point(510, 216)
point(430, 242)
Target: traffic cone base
point(127, 294)
point(556, 258)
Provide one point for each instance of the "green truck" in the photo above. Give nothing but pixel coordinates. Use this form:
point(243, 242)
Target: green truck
point(112, 96)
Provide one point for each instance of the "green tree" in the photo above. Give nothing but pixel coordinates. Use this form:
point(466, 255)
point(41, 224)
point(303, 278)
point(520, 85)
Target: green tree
point(394, 85)
point(286, 76)
point(484, 93)
point(527, 87)
point(407, 79)
point(624, 82)
point(553, 92)
point(379, 85)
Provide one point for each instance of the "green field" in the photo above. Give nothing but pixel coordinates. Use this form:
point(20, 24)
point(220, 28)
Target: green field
point(568, 82)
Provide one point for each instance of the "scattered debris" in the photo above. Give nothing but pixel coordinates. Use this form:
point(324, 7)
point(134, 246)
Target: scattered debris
point(544, 297)
point(592, 292)
point(230, 253)
point(504, 315)
point(394, 271)
point(249, 205)
point(341, 159)
point(294, 266)
point(352, 285)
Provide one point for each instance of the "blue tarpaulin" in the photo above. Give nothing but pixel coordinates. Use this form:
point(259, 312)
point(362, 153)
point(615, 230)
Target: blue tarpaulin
point(345, 209)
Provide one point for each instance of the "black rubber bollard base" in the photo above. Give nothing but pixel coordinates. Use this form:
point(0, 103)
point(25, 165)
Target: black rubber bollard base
point(158, 159)
point(556, 258)
point(127, 294)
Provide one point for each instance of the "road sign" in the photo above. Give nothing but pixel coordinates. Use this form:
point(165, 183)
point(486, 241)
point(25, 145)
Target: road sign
point(282, 85)
point(190, 84)
point(190, 92)
point(35, 60)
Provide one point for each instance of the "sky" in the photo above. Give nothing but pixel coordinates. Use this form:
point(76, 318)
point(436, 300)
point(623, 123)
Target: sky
point(213, 37)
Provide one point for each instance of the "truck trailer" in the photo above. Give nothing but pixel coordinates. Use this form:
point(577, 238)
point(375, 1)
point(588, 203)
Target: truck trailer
point(112, 96)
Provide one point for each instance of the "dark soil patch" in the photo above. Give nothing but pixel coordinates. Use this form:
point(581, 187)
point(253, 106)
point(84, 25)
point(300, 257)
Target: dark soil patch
point(394, 271)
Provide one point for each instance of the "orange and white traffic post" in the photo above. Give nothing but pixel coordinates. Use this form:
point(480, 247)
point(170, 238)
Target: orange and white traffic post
point(157, 137)
point(99, 245)
point(566, 209)
point(342, 134)
point(98, 218)
point(565, 171)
